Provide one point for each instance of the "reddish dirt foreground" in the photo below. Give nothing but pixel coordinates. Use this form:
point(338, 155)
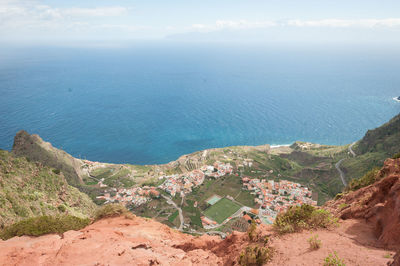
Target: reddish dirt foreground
point(353, 240)
point(139, 241)
point(378, 204)
point(113, 241)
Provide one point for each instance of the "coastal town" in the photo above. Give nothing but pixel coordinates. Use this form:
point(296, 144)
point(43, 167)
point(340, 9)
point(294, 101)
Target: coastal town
point(275, 197)
point(136, 195)
point(183, 183)
point(270, 197)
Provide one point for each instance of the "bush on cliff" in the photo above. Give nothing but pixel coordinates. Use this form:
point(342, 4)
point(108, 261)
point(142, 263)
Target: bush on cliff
point(111, 210)
point(368, 179)
point(255, 256)
point(42, 225)
point(297, 218)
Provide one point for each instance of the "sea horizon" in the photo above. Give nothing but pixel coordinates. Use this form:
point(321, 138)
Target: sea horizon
point(151, 104)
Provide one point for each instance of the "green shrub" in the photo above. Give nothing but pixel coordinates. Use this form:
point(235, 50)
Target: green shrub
point(338, 196)
point(314, 242)
point(368, 179)
point(56, 171)
point(255, 256)
point(111, 210)
point(297, 218)
point(42, 225)
point(333, 260)
point(252, 231)
point(61, 208)
point(396, 156)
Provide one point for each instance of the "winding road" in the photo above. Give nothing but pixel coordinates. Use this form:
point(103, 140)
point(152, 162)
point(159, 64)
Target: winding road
point(171, 202)
point(342, 176)
point(351, 149)
point(337, 165)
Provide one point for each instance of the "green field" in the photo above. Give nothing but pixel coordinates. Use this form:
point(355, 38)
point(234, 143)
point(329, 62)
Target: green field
point(213, 199)
point(222, 210)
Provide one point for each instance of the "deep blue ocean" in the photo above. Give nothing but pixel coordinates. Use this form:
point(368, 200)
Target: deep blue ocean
point(153, 102)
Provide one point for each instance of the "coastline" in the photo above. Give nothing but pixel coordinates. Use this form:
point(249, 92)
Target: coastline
point(279, 146)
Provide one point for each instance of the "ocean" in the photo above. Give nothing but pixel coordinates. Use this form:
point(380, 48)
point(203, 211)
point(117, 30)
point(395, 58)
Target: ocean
point(149, 103)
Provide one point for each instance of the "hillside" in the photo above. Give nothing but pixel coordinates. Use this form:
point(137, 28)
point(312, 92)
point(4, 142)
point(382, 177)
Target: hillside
point(365, 234)
point(377, 145)
point(30, 189)
point(313, 166)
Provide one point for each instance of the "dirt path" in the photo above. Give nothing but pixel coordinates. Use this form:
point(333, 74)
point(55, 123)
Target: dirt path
point(341, 173)
point(171, 202)
point(353, 241)
point(351, 149)
point(337, 165)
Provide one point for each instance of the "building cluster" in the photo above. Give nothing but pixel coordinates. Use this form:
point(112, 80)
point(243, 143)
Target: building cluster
point(184, 183)
point(275, 197)
point(136, 195)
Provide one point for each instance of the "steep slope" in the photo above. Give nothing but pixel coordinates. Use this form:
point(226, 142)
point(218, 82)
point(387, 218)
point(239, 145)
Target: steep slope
point(29, 189)
point(367, 234)
point(35, 149)
point(377, 145)
point(378, 204)
point(139, 241)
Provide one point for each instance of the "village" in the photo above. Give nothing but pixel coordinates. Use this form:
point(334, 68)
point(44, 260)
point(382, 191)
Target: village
point(136, 195)
point(275, 197)
point(174, 184)
point(271, 197)
point(183, 183)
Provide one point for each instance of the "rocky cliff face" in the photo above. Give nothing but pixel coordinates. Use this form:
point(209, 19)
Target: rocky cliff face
point(35, 149)
point(378, 204)
point(140, 241)
point(117, 241)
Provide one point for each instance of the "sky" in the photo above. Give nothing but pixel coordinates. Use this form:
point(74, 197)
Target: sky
point(52, 21)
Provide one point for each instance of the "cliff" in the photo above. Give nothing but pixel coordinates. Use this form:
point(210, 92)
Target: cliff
point(35, 149)
point(29, 189)
point(378, 204)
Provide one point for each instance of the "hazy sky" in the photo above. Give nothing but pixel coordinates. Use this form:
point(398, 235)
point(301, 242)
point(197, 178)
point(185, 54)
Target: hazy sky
point(253, 20)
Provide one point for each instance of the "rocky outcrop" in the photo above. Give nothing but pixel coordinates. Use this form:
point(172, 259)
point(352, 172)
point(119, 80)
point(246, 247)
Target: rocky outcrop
point(121, 241)
point(396, 260)
point(35, 149)
point(378, 204)
point(140, 241)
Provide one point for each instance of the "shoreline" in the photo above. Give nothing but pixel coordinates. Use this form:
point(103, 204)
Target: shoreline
point(280, 145)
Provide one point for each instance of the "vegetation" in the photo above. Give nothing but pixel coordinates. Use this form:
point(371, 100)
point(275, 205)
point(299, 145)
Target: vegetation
point(333, 260)
point(368, 179)
point(372, 150)
point(173, 216)
point(396, 156)
point(29, 189)
point(314, 242)
point(252, 231)
point(42, 225)
point(222, 210)
point(111, 210)
point(255, 256)
point(297, 218)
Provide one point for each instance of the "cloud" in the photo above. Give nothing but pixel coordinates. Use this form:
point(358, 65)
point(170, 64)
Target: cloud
point(346, 23)
point(17, 12)
point(94, 12)
point(233, 25)
point(332, 23)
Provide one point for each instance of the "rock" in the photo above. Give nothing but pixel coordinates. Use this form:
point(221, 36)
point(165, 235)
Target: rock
point(378, 204)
